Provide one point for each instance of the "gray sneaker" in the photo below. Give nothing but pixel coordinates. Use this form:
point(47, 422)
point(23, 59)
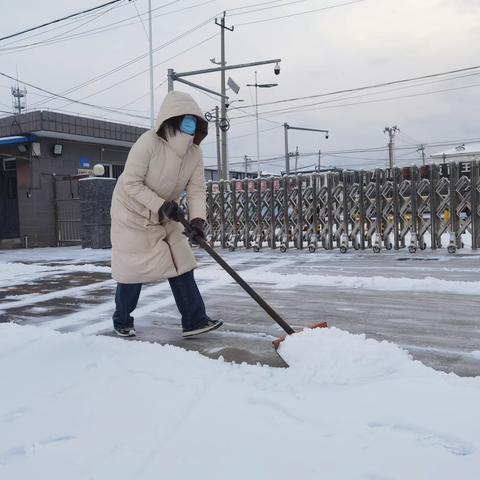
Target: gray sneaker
point(210, 325)
point(125, 332)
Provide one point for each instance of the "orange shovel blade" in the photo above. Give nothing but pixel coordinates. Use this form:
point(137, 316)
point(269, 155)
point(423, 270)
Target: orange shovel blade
point(276, 343)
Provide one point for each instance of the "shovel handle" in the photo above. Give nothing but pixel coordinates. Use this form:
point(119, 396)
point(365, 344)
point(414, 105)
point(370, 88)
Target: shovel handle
point(268, 309)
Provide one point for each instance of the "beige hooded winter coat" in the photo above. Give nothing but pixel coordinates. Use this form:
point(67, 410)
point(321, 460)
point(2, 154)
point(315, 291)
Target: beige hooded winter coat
point(144, 249)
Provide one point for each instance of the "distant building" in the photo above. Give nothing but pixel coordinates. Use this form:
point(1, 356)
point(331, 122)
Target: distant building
point(460, 153)
point(38, 148)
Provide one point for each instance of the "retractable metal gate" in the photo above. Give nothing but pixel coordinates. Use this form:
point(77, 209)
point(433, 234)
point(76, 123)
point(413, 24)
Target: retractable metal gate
point(435, 205)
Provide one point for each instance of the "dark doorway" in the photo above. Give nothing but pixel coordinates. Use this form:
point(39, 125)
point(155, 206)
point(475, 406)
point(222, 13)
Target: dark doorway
point(9, 225)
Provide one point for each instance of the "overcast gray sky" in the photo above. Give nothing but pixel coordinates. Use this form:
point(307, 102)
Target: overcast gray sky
point(351, 45)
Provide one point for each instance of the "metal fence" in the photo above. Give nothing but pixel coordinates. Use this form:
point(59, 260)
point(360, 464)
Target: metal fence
point(432, 206)
point(67, 210)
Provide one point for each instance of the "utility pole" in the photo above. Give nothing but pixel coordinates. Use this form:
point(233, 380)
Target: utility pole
point(421, 148)
point(247, 161)
point(319, 159)
point(391, 144)
point(287, 156)
point(256, 119)
point(296, 160)
point(217, 133)
point(150, 55)
point(223, 89)
point(215, 118)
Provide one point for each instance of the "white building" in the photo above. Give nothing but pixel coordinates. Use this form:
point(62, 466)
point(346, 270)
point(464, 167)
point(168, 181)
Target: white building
point(460, 153)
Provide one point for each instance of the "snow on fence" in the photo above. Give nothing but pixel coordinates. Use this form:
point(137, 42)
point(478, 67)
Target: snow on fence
point(431, 206)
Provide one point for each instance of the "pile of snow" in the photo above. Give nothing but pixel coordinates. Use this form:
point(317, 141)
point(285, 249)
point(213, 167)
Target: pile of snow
point(338, 357)
point(77, 407)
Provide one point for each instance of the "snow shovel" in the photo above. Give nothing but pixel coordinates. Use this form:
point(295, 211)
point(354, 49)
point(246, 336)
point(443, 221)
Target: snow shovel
point(268, 309)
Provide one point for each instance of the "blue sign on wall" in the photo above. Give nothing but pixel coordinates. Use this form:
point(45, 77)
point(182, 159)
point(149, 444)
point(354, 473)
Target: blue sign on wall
point(84, 162)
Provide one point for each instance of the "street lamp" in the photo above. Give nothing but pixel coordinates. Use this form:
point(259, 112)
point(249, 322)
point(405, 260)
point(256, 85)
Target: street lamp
point(229, 104)
point(257, 86)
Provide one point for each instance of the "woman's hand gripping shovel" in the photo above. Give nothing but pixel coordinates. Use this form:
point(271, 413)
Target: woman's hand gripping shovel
point(268, 309)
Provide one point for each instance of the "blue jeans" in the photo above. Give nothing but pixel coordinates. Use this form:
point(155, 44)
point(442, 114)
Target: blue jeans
point(187, 297)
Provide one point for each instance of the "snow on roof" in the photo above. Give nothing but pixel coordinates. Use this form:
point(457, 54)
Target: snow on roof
point(459, 150)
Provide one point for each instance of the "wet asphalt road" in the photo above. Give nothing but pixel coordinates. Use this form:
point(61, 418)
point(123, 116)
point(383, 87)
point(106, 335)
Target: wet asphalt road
point(439, 329)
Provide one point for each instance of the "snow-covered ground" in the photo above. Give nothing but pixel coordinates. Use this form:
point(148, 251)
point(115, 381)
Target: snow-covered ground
point(80, 406)
point(85, 407)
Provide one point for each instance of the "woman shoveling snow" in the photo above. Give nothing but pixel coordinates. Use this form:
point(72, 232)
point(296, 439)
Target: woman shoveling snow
point(148, 243)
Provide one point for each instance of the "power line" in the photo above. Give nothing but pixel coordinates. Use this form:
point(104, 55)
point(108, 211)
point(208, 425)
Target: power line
point(61, 19)
point(368, 87)
point(117, 109)
point(416, 141)
point(305, 106)
point(50, 97)
point(253, 5)
point(302, 13)
point(136, 59)
point(117, 24)
point(66, 98)
point(268, 8)
point(339, 153)
point(305, 109)
point(260, 117)
point(85, 21)
point(165, 61)
point(57, 27)
point(144, 95)
point(348, 97)
point(245, 135)
point(109, 109)
point(62, 37)
point(105, 28)
point(144, 71)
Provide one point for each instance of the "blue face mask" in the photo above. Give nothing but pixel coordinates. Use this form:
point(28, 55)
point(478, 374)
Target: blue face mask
point(188, 124)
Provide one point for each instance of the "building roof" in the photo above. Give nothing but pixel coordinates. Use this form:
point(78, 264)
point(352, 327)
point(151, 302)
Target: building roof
point(459, 150)
point(69, 127)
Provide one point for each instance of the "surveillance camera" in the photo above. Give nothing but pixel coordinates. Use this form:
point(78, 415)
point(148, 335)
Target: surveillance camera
point(276, 69)
point(326, 136)
point(227, 103)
